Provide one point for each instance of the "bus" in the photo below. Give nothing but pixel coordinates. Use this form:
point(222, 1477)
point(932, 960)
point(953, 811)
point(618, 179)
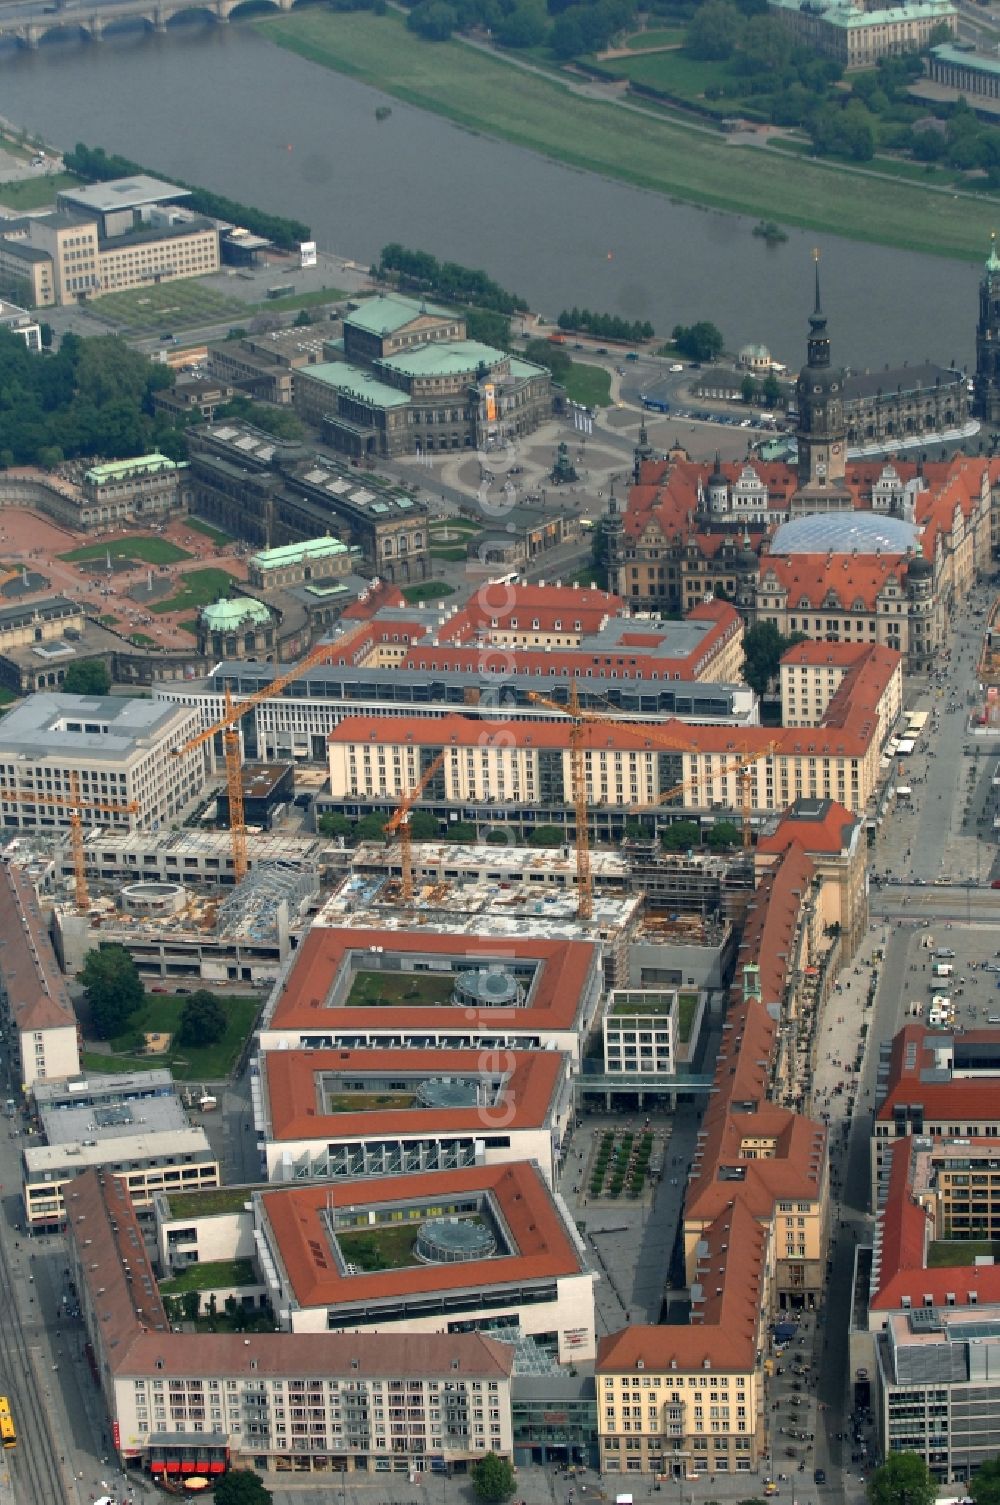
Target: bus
point(8, 1432)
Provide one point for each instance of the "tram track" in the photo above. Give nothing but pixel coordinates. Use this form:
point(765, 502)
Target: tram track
point(35, 1474)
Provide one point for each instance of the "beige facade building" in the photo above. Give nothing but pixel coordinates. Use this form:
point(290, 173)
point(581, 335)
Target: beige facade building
point(105, 238)
point(111, 750)
point(858, 35)
point(308, 1402)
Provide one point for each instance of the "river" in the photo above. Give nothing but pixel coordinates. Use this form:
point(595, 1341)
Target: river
point(221, 106)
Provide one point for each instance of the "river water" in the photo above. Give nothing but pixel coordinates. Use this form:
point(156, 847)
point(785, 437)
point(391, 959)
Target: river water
point(222, 107)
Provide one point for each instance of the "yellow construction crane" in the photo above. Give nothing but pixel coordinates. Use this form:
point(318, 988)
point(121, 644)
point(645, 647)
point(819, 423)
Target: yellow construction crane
point(399, 822)
point(75, 804)
point(675, 741)
point(741, 766)
point(228, 725)
point(580, 720)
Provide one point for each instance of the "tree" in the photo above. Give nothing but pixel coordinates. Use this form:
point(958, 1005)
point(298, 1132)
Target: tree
point(203, 1019)
point(547, 836)
point(985, 1484)
point(681, 835)
point(333, 824)
point(770, 390)
point(903, 1479)
point(370, 828)
point(763, 646)
point(748, 388)
point(241, 1486)
point(303, 318)
point(90, 677)
point(715, 30)
point(526, 26)
point(423, 825)
point(433, 20)
point(114, 990)
point(544, 353)
point(723, 835)
point(461, 830)
point(191, 1304)
point(493, 1479)
point(699, 342)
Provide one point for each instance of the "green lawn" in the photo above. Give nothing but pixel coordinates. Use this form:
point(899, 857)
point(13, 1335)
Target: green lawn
point(380, 1248)
point(675, 73)
point(453, 525)
point(314, 299)
point(687, 1007)
point(198, 525)
point(427, 590)
point(590, 385)
point(197, 588)
point(168, 306)
point(7, 697)
point(189, 1063)
point(149, 550)
point(483, 93)
point(191, 626)
point(108, 620)
point(398, 990)
point(203, 1204)
point(37, 192)
point(142, 639)
point(642, 41)
point(213, 1275)
point(943, 1253)
point(367, 1102)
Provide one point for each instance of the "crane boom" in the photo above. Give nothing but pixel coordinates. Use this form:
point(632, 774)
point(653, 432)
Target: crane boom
point(228, 725)
point(399, 821)
point(74, 804)
point(675, 741)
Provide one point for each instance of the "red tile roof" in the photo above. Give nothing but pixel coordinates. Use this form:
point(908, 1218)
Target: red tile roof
point(851, 740)
point(723, 1333)
point(821, 579)
point(966, 1100)
point(532, 1081)
point(904, 1228)
point(554, 1001)
point(132, 1335)
point(547, 604)
point(831, 833)
point(37, 996)
point(545, 1250)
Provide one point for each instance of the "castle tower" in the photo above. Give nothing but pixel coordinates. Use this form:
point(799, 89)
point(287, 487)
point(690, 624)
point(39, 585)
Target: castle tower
point(822, 430)
point(986, 388)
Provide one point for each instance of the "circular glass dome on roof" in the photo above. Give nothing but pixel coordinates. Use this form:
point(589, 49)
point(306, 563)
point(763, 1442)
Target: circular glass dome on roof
point(447, 1092)
point(451, 1241)
point(488, 988)
point(845, 533)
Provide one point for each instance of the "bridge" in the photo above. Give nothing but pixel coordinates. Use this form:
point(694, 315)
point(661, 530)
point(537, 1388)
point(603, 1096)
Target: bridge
point(91, 20)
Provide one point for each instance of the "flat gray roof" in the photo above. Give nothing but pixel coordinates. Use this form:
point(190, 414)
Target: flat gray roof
point(125, 1119)
point(44, 1160)
point(41, 727)
point(122, 193)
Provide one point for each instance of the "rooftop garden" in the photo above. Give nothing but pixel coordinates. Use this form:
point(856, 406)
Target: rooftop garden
point(399, 990)
point(213, 1275)
point(367, 1102)
point(944, 1253)
point(209, 1203)
point(687, 1007)
point(639, 1003)
point(386, 1247)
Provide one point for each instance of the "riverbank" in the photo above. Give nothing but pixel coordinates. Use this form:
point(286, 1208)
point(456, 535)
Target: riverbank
point(581, 126)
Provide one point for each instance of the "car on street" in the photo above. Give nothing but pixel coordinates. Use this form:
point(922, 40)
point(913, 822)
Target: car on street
point(674, 368)
point(819, 1475)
